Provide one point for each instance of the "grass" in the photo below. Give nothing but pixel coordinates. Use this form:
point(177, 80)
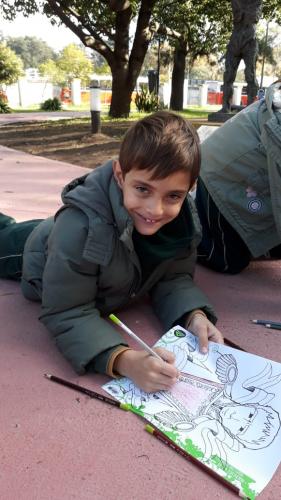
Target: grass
point(199, 111)
point(189, 112)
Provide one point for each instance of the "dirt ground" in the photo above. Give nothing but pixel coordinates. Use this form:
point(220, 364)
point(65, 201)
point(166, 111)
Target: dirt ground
point(70, 140)
point(67, 140)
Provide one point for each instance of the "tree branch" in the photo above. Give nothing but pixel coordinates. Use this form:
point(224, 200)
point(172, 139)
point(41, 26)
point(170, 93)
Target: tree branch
point(143, 36)
point(91, 40)
point(119, 5)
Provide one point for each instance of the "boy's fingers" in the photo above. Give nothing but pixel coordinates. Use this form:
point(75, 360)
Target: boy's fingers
point(167, 356)
point(169, 371)
point(217, 336)
point(165, 368)
point(165, 382)
point(202, 334)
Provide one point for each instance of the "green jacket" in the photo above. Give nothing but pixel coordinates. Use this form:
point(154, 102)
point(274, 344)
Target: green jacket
point(241, 169)
point(84, 265)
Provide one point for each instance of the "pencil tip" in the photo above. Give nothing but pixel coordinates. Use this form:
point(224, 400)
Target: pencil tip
point(254, 320)
point(47, 375)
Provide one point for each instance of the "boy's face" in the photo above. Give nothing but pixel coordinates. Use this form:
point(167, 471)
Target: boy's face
point(152, 203)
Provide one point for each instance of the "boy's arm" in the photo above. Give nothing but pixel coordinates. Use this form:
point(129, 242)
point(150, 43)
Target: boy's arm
point(68, 299)
point(176, 295)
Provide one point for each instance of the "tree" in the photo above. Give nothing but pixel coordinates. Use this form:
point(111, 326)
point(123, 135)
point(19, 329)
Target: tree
point(74, 63)
point(103, 26)
point(51, 70)
point(31, 50)
point(195, 28)
point(71, 63)
point(10, 65)
point(159, 53)
point(199, 28)
point(269, 55)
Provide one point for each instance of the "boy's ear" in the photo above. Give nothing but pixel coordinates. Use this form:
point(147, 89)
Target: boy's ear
point(117, 172)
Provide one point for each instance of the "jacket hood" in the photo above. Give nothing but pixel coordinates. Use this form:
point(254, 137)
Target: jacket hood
point(92, 192)
point(98, 195)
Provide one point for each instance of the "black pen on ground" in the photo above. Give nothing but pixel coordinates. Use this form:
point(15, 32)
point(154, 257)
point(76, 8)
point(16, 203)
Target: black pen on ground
point(273, 326)
point(138, 340)
point(266, 322)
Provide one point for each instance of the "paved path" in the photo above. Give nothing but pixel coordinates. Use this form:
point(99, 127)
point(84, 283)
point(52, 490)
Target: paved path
point(5, 119)
point(59, 445)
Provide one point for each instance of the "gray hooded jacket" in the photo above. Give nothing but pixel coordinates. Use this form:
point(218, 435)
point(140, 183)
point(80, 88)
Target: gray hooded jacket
point(241, 169)
point(84, 264)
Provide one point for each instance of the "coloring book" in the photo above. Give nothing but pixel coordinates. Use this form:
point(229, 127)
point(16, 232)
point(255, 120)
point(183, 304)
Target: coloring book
point(225, 410)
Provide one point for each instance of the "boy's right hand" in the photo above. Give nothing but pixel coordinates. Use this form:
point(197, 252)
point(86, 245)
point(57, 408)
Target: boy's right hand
point(149, 373)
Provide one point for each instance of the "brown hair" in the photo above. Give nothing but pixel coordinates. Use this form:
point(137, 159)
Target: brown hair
point(164, 143)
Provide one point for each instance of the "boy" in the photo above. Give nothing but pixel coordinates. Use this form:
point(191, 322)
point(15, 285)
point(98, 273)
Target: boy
point(126, 229)
point(238, 194)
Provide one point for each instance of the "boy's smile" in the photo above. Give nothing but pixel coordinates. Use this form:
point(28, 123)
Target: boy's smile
point(152, 203)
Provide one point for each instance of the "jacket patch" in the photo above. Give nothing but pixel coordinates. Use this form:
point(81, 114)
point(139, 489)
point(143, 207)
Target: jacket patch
point(255, 205)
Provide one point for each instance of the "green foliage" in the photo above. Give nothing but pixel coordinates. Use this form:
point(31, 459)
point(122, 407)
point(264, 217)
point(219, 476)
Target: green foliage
point(52, 71)
point(51, 105)
point(71, 62)
point(75, 64)
point(31, 50)
point(205, 25)
point(146, 101)
point(10, 65)
point(4, 108)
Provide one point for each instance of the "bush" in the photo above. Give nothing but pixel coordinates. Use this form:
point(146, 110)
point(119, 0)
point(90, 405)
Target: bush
point(51, 105)
point(146, 101)
point(4, 108)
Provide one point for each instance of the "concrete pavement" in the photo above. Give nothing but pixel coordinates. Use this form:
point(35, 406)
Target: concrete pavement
point(7, 118)
point(60, 445)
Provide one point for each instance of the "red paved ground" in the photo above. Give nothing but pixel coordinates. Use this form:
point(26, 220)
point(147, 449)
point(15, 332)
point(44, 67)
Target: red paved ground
point(59, 445)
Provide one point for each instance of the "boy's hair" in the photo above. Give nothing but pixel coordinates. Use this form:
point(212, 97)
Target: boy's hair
point(164, 143)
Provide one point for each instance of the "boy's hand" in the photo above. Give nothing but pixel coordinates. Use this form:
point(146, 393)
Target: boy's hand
point(149, 373)
point(204, 330)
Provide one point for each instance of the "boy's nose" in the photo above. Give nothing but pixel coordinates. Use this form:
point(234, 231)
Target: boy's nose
point(155, 208)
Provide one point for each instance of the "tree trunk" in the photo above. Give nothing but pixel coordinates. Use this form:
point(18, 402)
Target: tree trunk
point(176, 101)
point(126, 68)
point(121, 93)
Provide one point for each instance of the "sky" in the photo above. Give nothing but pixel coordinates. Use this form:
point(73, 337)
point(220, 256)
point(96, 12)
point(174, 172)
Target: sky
point(40, 27)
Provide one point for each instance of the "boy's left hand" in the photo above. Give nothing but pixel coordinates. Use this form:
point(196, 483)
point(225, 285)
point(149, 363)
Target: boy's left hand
point(205, 331)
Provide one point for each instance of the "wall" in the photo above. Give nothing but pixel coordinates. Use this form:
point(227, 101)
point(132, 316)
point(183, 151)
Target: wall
point(27, 92)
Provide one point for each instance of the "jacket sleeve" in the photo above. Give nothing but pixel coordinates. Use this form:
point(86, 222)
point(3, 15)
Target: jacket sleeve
point(176, 294)
point(271, 140)
point(69, 297)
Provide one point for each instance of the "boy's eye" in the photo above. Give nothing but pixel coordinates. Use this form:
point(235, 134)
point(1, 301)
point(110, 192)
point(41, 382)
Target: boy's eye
point(251, 415)
point(141, 189)
point(175, 197)
point(241, 429)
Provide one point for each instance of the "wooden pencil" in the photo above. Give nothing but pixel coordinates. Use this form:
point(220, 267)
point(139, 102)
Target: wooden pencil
point(88, 392)
point(166, 440)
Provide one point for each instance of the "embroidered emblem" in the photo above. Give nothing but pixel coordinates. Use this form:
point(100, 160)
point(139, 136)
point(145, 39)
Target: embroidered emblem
point(254, 205)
